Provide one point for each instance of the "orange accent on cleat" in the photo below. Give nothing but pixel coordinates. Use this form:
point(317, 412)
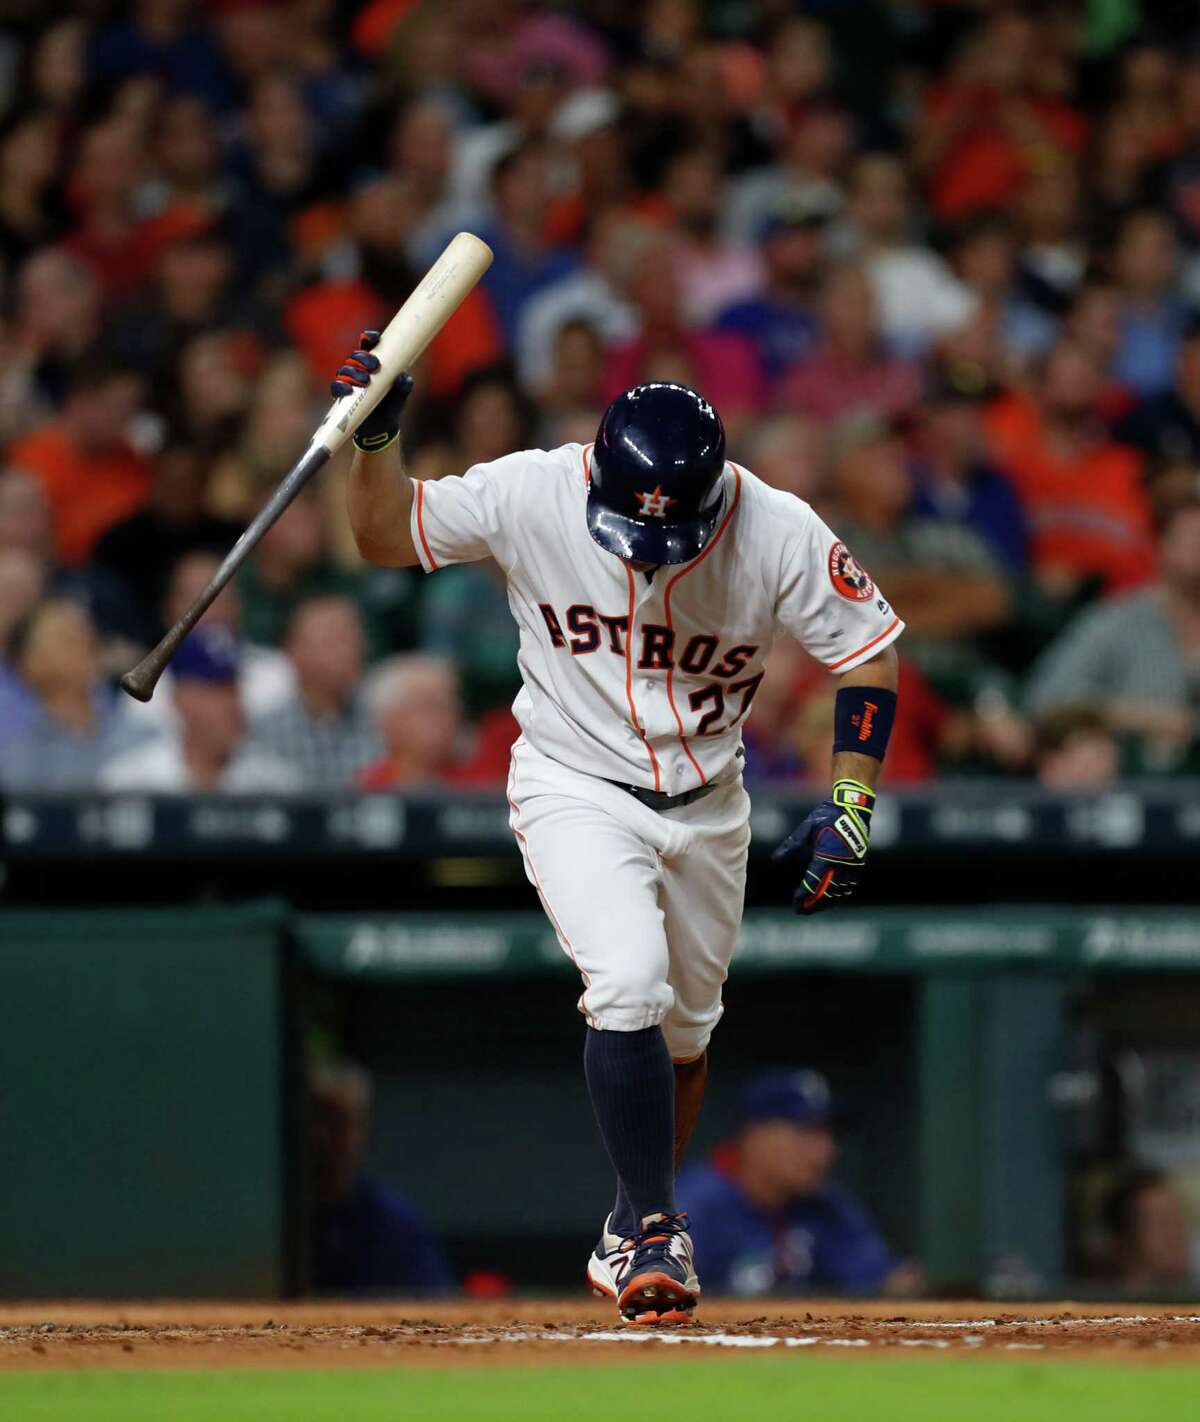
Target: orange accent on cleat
point(652, 1320)
point(656, 1298)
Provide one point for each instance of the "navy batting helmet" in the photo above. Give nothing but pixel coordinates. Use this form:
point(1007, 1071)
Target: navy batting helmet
point(655, 493)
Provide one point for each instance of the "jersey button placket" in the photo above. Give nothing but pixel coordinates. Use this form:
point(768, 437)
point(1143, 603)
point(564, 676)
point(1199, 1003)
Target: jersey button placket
point(648, 685)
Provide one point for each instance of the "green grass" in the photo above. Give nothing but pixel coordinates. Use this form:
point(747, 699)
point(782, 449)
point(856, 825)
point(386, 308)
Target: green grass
point(748, 1389)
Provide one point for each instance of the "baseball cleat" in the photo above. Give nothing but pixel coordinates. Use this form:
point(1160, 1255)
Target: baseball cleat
point(609, 1263)
point(660, 1284)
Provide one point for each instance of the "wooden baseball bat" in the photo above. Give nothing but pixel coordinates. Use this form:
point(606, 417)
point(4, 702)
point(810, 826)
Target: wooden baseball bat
point(438, 294)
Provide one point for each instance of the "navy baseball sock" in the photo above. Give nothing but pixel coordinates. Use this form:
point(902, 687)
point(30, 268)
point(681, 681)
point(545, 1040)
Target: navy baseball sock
point(632, 1085)
point(622, 1220)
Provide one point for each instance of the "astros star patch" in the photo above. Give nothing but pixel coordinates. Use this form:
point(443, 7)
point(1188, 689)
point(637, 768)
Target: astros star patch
point(849, 578)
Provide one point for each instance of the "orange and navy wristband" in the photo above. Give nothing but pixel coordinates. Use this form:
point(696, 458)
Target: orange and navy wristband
point(862, 720)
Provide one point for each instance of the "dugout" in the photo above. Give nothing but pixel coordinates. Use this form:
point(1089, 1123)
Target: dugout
point(982, 1044)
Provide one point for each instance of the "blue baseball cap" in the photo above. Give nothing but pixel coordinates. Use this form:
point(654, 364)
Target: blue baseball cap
point(208, 654)
point(800, 1096)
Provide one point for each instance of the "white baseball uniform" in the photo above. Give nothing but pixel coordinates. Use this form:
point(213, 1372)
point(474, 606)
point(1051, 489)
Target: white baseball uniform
point(641, 680)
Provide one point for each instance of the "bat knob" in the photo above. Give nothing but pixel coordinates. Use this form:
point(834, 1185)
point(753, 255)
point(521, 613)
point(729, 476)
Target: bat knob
point(141, 688)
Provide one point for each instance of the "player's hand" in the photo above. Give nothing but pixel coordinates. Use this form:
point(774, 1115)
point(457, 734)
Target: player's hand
point(382, 425)
point(832, 844)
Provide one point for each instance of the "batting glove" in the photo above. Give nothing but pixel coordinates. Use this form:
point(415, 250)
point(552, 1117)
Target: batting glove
point(833, 841)
point(382, 425)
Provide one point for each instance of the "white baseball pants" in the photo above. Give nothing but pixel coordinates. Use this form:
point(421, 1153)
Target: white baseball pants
point(646, 904)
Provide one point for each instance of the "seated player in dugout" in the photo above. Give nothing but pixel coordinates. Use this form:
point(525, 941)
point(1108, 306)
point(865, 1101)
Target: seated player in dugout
point(648, 576)
point(765, 1213)
point(364, 1238)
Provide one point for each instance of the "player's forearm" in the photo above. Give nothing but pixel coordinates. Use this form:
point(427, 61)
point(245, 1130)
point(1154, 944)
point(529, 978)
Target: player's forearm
point(881, 673)
point(883, 670)
point(834, 839)
point(850, 765)
point(379, 498)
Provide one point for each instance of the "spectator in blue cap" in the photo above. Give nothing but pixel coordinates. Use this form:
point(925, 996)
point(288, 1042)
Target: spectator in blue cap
point(208, 752)
point(765, 1216)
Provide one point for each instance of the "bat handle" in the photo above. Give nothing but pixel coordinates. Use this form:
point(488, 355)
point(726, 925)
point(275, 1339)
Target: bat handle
point(140, 681)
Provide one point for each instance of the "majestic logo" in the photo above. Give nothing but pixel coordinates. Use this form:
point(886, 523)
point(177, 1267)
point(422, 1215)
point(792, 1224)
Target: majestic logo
point(655, 505)
point(848, 576)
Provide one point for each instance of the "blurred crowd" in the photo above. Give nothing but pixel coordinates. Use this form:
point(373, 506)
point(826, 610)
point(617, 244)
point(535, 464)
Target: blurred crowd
point(936, 262)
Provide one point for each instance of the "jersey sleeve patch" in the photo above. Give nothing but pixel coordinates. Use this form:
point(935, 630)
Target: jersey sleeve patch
point(849, 578)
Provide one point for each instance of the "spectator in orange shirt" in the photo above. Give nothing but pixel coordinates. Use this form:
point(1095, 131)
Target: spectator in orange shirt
point(324, 320)
point(91, 474)
point(1087, 512)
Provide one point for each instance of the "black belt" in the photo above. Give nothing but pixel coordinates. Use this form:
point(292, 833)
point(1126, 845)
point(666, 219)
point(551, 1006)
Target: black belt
point(660, 800)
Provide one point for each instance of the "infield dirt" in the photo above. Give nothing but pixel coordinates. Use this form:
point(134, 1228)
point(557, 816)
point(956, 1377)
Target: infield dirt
point(70, 1335)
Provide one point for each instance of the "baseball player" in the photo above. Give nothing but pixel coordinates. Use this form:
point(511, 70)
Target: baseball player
point(648, 575)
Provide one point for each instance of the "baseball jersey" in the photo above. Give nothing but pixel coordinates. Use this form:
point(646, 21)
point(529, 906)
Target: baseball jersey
point(647, 679)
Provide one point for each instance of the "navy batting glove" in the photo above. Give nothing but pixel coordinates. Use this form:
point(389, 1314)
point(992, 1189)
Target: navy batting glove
point(832, 842)
point(382, 425)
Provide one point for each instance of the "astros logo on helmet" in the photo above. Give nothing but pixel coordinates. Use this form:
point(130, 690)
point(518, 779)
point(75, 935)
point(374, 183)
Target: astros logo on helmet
point(656, 504)
point(655, 486)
